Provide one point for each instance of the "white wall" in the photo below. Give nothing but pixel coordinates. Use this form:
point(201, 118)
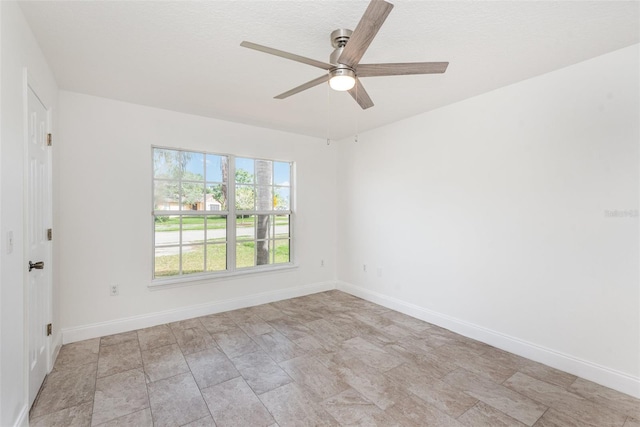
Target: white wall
point(488, 217)
point(18, 49)
point(104, 203)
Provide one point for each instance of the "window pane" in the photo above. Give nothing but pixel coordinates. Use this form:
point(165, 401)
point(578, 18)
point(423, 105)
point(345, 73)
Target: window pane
point(281, 197)
point(263, 227)
point(165, 195)
point(264, 198)
point(166, 163)
point(192, 229)
point(262, 252)
point(245, 254)
point(167, 262)
point(193, 196)
point(167, 230)
point(192, 259)
point(216, 168)
point(281, 226)
point(244, 171)
point(216, 198)
point(193, 166)
point(280, 251)
point(216, 257)
point(245, 195)
point(264, 172)
point(216, 229)
point(245, 227)
point(282, 173)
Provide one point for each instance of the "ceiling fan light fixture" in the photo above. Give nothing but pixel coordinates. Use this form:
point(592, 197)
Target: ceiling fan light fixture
point(342, 79)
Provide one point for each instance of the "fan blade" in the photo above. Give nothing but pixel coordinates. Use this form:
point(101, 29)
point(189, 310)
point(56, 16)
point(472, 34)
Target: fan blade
point(363, 35)
point(307, 85)
point(287, 55)
point(399, 69)
point(360, 95)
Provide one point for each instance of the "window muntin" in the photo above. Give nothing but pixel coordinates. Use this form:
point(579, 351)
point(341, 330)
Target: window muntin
point(203, 224)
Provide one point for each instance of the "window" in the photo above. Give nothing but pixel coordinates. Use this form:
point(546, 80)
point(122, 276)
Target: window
point(215, 213)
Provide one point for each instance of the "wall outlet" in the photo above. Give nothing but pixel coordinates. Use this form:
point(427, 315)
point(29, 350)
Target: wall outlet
point(321, 263)
point(364, 267)
point(113, 290)
point(379, 272)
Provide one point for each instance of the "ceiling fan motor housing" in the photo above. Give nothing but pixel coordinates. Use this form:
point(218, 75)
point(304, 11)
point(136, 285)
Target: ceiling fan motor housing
point(339, 39)
point(342, 70)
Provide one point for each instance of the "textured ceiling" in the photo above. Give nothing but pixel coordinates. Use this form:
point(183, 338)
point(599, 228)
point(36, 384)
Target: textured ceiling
point(185, 56)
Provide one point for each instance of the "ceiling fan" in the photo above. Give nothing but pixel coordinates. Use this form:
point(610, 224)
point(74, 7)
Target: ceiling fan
point(344, 69)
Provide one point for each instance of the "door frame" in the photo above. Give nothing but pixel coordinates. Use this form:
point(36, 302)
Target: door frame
point(30, 83)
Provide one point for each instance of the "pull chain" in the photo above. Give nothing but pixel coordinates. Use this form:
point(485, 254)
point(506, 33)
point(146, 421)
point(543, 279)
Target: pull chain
point(328, 116)
point(357, 115)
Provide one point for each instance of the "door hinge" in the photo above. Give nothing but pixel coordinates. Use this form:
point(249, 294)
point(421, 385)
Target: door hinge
point(49, 234)
point(49, 139)
point(49, 329)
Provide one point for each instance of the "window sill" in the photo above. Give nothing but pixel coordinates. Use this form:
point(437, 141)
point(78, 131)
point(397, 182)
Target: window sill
point(199, 279)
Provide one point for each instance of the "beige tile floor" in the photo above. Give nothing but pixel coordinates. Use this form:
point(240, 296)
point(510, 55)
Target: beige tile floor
point(324, 359)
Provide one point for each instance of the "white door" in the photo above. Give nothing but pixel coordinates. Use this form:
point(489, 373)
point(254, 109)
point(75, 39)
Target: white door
point(37, 221)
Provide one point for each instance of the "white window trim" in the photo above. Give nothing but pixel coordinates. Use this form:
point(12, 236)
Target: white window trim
point(231, 213)
point(202, 278)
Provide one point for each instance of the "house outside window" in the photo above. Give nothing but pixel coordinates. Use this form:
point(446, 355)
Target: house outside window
point(215, 214)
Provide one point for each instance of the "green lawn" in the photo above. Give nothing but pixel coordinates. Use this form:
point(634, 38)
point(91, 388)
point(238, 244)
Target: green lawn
point(193, 260)
point(167, 223)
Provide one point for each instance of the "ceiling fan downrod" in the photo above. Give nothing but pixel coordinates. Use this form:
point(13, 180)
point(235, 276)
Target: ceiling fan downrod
point(339, 39)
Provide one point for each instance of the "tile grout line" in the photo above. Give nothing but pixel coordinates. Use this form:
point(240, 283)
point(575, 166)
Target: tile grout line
point(267, 354)
point(144, 374)
point(191, 372)
point(95, 383)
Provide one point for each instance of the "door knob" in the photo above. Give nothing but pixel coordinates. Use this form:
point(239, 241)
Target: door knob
point(37, 265)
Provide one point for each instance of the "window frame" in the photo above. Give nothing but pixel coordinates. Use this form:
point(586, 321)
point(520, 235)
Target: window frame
point(231, 214)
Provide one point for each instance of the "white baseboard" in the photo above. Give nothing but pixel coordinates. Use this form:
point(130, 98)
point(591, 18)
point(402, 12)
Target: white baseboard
point(56, 344)
point(591, 371)
point(23, 418)
point(102, 329)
